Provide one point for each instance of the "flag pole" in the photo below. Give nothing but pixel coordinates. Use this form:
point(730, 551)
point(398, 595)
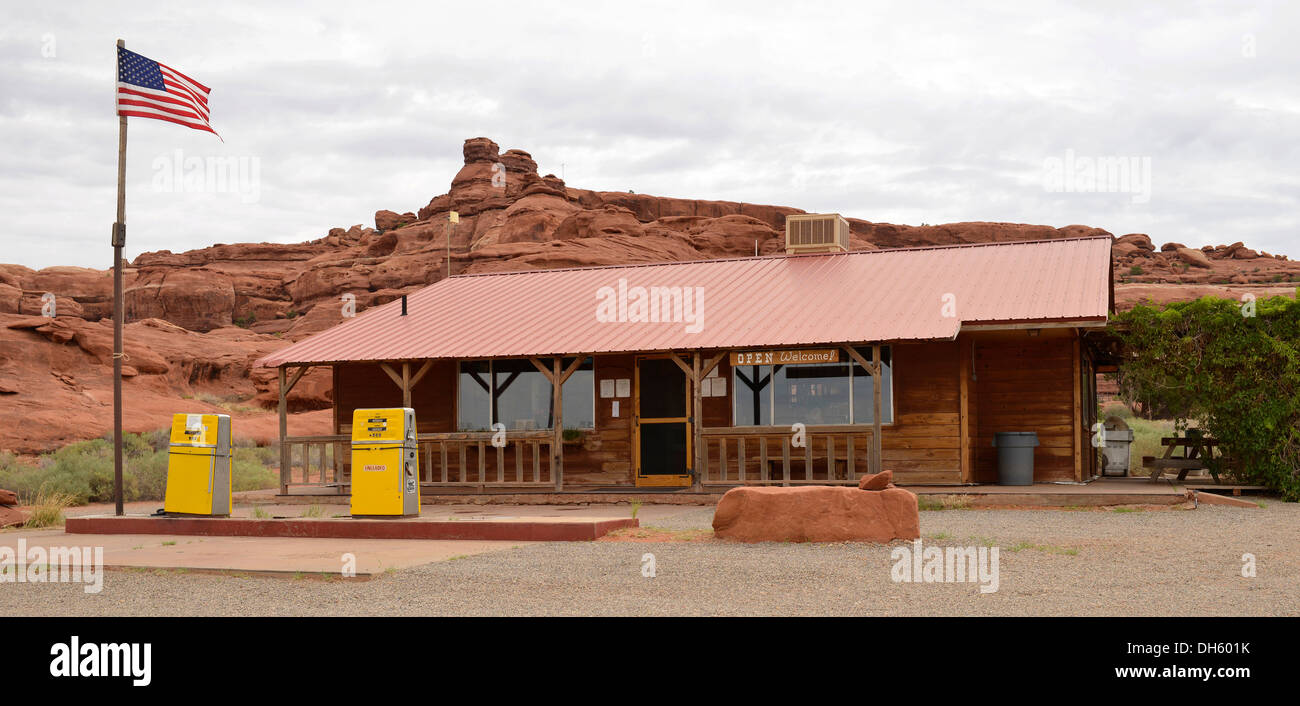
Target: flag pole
point(119, 240)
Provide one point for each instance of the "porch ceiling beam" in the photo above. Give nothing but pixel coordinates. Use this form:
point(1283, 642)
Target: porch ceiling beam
point(711, 363)
point(419, 374)
point(297, 375)
point(872, 368)
point(392, 374)
point(573, 368)
point(542, 369)
point(690, 373)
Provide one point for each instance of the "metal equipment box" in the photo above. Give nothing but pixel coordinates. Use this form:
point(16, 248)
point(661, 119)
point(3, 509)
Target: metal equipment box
point(816, 233)
point(385, 463)
point(198, 466)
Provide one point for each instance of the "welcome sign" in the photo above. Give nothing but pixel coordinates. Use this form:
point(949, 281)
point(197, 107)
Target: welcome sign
point(820, 355)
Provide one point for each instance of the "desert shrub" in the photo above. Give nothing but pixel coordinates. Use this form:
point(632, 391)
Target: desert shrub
point(248, 471)
point(83, 471)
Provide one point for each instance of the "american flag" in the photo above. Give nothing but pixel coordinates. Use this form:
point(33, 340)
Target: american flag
point(148, 89)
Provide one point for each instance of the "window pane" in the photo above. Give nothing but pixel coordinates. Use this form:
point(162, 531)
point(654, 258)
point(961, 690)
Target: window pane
point(811, 394)
point(580, 396)
point(472, 414)
point(523, 396)
point(749, 386)
point(863, 401)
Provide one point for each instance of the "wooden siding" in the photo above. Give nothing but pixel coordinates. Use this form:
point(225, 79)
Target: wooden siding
point(604, 457)
point(923, 445)
point(364, 385)
point(1025, 383)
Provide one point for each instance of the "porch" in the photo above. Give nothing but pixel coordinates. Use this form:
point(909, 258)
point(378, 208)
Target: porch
point(671, 433)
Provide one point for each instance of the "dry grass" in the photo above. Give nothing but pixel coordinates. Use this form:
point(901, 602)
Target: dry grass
point(314, 510)
point(47, 510)
point(943, 502)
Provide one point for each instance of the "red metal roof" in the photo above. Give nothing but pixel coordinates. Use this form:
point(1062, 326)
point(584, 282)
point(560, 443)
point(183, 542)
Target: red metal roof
point(795, 300)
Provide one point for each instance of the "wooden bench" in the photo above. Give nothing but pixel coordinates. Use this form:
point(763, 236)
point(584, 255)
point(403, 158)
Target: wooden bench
point(1199, 451)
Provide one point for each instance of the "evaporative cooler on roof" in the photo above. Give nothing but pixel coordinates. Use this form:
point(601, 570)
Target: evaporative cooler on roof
point(816, 233)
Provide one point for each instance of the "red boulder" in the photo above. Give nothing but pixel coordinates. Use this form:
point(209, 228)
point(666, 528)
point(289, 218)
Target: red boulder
point(816, 514)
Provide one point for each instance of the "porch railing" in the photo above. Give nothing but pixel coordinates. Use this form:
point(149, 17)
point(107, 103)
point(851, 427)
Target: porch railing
point(470, 459)
point(315, 461)
point(445, 459)
point(768, 456)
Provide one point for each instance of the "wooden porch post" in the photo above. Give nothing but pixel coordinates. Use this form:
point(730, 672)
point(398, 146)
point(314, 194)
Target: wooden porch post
point(964, 417)
point(557, 410)
point(286, 457)
point(557, 375)
point(1081, 430)
point(284, 432)
point(877, 374)
point(406, 384)
point(697, 420)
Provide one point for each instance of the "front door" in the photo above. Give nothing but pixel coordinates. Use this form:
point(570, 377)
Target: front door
point(663, 431)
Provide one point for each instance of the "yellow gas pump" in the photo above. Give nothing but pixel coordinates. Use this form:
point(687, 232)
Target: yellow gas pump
point(198, 466)
point(385, 465)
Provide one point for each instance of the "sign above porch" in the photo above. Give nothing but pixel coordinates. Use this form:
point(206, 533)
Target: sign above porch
point(790, 357)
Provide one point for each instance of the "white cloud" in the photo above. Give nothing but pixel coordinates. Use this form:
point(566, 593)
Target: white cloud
point(888, 112)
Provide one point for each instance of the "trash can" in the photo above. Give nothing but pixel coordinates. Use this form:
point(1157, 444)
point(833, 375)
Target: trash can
point(1118, 440)
point(1015, 456)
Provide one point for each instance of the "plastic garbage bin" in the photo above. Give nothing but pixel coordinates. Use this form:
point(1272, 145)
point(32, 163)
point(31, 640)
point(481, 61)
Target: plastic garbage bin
point(1015, 456)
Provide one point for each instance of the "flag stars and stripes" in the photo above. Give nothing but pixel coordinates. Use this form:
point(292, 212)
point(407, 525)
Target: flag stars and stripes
point(148, 89)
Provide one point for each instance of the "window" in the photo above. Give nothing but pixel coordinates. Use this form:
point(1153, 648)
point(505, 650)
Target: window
point(517, 395)
point(812, 393)
point(475, 407)
point(579, 396)
point(864, 392)
point(753, 398)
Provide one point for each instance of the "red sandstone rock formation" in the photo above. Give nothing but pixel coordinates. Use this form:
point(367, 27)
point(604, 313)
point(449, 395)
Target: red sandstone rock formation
point(197, 319)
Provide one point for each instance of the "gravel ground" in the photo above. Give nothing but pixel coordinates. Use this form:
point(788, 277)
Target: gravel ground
point(1177, 562)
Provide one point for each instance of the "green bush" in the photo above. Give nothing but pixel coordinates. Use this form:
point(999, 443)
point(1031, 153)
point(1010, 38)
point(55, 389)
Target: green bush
point(1231, 367)
point(84, 470)
point(249, 470)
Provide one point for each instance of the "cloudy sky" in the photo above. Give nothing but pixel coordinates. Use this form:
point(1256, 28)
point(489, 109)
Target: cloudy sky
point(895, 112)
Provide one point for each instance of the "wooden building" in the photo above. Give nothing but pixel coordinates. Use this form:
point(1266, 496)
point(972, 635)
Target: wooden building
point(787, 369)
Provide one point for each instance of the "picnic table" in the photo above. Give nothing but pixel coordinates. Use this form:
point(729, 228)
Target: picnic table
point(1198, 454)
